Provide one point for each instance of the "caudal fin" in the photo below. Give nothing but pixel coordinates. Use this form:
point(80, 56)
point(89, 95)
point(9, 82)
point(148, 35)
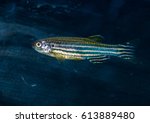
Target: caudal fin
point(126, 52)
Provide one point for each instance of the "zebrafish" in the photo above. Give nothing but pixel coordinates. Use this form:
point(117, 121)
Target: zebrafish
point(76, 48)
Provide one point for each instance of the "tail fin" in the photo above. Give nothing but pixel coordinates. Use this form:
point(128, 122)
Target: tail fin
point(126, 52)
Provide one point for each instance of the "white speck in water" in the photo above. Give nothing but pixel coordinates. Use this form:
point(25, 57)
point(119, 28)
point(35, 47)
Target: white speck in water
point(33, 85)
point(25, 82)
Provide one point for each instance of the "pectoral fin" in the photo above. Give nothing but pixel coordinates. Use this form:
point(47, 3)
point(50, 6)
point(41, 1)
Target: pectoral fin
point(98, 59)
point(96, 38)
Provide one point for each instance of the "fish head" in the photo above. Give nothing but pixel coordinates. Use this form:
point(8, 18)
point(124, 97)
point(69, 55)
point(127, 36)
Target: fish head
point(42, 47)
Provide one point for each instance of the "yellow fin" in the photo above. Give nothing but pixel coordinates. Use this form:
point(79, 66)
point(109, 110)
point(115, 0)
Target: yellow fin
point(96, 38)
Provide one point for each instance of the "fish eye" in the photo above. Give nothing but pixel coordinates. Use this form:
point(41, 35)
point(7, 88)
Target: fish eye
point(38, 44)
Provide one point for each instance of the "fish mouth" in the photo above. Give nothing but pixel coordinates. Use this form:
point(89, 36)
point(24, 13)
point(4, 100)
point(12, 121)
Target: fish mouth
point(35, 48)
point(33, 44)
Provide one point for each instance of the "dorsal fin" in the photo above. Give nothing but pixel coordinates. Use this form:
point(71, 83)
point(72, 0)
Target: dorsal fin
point(96, 38)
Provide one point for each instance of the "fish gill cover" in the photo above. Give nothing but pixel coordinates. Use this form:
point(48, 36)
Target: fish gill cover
point(29, 78)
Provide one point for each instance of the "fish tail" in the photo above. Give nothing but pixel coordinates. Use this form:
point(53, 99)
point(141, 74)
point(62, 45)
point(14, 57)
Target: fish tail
point(126, 52)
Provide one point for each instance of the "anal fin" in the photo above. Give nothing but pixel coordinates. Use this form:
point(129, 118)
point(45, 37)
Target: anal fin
point(98, 59)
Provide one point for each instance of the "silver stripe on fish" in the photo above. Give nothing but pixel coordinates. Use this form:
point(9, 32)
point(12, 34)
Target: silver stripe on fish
point(85, 50)
point(80, 54)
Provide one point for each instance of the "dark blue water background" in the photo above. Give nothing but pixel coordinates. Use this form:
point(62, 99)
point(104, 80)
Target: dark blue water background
point(30, 78)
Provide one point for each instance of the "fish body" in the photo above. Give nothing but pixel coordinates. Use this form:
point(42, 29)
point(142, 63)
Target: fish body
point(76, 48)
